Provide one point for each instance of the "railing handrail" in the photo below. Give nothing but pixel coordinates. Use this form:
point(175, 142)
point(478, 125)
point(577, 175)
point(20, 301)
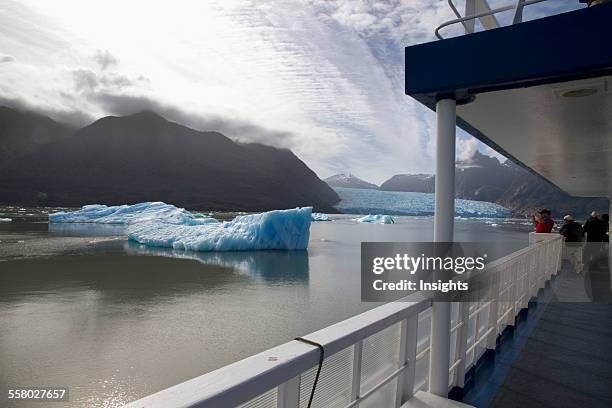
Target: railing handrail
point(486, 13)
point(521, 252)
point(238, 382)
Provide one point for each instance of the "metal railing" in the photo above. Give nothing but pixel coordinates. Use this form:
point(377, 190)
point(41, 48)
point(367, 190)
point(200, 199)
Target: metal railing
point(468, 20)
point(380, 357)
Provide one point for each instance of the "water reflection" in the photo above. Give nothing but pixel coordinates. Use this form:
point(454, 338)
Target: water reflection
point(271, 266)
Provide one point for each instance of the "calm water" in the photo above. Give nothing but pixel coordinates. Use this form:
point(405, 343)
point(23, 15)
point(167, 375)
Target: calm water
point(81, 307)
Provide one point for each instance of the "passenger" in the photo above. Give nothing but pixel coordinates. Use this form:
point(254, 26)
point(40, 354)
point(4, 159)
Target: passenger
point(595, 228)
point(574, 235)
point(606, 218)
point(543, 222)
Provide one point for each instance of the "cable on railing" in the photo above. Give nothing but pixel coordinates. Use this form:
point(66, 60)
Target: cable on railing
point(321, 358)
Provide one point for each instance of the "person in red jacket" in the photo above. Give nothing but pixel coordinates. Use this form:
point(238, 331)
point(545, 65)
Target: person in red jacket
point(543, 222)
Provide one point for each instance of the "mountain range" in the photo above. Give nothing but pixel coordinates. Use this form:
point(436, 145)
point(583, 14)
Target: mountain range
point(144, 157)
point(485, 178)
point(349, 181)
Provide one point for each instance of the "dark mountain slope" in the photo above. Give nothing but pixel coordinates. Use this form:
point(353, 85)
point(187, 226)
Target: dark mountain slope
point(24, 132)
point(420, 183)
point(143, 157)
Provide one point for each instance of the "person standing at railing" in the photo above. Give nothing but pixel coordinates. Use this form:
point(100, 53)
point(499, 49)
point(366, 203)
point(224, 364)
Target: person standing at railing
point(596, 231)
point(543, 222)
point(574, 236)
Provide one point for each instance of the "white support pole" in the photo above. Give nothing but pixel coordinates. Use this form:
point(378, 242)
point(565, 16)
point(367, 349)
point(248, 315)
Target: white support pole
point(443, 232)
point(445, 170)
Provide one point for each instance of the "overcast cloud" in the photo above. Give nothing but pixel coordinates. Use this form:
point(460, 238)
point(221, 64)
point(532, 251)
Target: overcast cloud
point(324, 78)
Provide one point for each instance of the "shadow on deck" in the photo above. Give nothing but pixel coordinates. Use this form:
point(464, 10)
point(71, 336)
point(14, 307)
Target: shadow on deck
point(560, 352)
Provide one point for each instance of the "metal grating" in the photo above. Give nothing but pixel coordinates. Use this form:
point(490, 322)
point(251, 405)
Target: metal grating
point(334, 386)
point(380, 357)
point(266, 400)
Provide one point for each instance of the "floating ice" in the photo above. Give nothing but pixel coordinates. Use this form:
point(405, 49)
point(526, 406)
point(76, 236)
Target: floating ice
point(376, 219)
point(6, 219)
point(320, 217)
point(128, 214)
point(279, 229)
point(360, 201)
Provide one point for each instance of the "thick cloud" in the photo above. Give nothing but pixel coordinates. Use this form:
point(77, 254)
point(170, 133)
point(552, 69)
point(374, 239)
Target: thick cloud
point(235, 128)
point(6, 58)
point(105, 59)
point(70, 117)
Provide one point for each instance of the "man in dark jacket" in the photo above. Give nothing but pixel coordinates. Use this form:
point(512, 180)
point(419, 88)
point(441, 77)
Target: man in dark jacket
point(571, 230)
point(595, 229)
point(574, 235)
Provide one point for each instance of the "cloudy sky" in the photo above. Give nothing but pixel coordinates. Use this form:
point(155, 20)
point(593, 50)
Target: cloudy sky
point(322, 77)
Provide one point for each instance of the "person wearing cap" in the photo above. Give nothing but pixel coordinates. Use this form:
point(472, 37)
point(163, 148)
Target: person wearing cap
point(543, 222)
point(574, 235)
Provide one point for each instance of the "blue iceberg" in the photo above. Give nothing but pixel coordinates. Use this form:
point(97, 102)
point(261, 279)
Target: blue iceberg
point(128, 214)
point(376, 219)
point(320, 217)
point(359, 201)
point(279, 229)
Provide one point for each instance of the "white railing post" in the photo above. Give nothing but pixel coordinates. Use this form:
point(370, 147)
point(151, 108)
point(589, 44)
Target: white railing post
point(439, 362)
point(513, 295)
point(462, 333)
point(493, 312)
point(288, 395)
point(356, 379)
point(408, 348)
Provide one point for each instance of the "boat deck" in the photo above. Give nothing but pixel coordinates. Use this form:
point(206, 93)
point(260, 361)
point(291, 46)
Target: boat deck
point(560, 354)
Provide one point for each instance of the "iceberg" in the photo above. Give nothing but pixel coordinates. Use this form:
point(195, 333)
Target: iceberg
point(6, 219)
point(278, 229)
point(360, 201)
point(128, 214)
point(376, 219)
point(320, 217)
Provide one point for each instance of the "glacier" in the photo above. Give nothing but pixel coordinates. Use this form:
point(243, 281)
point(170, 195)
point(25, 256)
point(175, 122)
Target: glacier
point(361, 201)
point(278, 229)
point(376, 219)
point(128, 214)
point(320, 217)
